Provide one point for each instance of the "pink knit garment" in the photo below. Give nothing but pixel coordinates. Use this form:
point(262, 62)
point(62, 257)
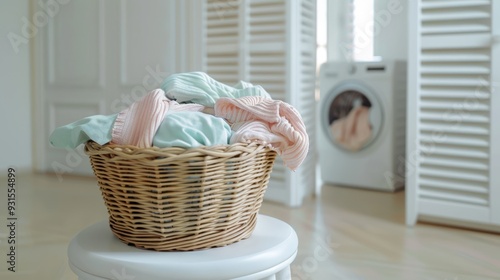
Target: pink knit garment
point(137, 125)
point(269, 122)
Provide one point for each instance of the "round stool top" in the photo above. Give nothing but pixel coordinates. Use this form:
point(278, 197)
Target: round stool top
point(96, 251)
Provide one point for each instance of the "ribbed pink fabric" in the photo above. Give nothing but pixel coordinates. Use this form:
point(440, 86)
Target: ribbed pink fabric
point(137, 124)
point(270, 122)
point(254, 119)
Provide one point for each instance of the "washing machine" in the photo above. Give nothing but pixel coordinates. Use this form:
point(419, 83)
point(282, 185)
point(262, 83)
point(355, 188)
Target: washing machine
point(362, 124)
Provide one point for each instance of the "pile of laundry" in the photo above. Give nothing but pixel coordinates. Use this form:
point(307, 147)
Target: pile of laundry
point(191, 110)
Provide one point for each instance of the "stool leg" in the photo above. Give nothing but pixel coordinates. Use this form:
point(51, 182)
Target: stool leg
point(284, 274)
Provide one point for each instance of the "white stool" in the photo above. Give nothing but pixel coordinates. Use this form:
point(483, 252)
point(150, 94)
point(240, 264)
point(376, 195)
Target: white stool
point(95, 253)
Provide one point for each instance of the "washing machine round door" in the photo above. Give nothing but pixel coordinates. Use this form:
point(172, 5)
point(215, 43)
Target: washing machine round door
point(352, 116)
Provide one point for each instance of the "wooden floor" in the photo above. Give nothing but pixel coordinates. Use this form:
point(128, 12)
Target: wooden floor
point(344, 234)
point(360, 234)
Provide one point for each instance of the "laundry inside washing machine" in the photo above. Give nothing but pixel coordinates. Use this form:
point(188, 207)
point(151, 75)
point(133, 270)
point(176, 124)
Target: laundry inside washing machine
point(353, 116)
point(349, 120)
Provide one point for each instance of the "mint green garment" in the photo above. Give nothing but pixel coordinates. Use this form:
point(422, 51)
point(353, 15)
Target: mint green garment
point(199, 88)
point(97, 128)
point(192, 129)
point(180, 129)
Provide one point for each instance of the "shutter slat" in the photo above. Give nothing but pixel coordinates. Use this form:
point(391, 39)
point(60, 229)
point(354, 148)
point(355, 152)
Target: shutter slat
point(451, 81)
point(221, 60)
point(267, 9)
point(430, 139)
point(456, 41)
point(448, 105)
point(222, 31)
point(454, 127)
point(267, 60)
point(267, 47)
point(455, 93)
point(461, 15)
point(474, 70)
point(454, 185)
point(265, 29)
point(455, 117)
point(453, 162)
point(221, 68)
point(222, 49)
point(462, 198)
point(277, 19)
point(455, 28)
point(268, 69)
point(457, 174)
point(455, 57)
point(221, 16)
point(266, 2)
point(477, 154)
point(453, 4)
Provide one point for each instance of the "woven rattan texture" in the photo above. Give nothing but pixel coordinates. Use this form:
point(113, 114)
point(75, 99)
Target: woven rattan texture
point(169, 199)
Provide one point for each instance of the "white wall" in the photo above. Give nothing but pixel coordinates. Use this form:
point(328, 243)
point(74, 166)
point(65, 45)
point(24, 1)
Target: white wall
point(390, 29)
point(15, 81)
point(337, 35)
point(391, 38)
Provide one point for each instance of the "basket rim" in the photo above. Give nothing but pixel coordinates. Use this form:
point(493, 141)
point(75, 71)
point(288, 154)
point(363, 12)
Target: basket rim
point(126, 148)
point(168, 153)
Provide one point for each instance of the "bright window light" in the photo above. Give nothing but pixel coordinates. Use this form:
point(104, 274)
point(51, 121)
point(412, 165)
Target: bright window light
point(363, 22)
point(321, 32)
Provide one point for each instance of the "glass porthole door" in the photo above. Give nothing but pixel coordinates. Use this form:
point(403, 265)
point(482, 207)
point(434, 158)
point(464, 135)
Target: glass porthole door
point(352, 116)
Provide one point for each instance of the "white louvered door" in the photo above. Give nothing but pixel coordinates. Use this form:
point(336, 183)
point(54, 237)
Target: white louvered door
point(272, 44)
point(454, 112)
point(222, 37)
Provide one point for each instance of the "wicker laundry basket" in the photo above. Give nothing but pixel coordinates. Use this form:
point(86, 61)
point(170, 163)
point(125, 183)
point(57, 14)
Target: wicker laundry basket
point(169, 199)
